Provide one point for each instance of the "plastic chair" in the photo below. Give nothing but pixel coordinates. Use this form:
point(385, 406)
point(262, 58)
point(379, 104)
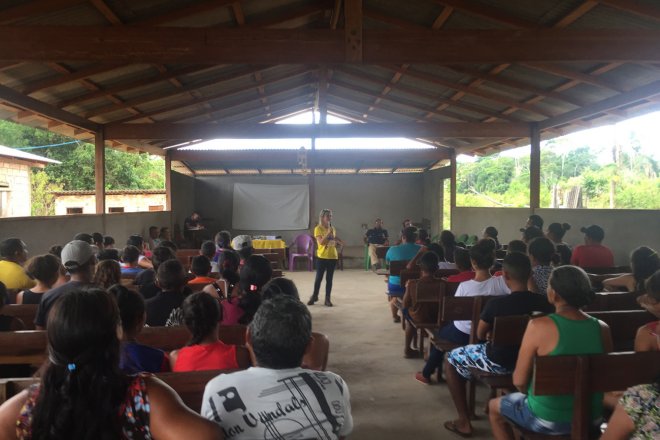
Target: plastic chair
point(304, 249)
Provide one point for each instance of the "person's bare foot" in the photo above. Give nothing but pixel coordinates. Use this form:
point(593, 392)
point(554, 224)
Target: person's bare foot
point(459, 427)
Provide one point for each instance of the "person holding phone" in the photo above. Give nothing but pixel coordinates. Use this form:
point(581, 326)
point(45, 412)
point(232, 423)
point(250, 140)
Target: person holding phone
point(327, 256)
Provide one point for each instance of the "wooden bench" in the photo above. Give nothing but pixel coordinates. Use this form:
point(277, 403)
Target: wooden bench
point(606, 301)
point(24, 312)
point(581, 376)
point(413, 274)
point(607, 270)
point(623, 325)
point(188, 385)
point(29, 347)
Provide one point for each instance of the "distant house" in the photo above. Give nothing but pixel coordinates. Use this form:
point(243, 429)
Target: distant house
point(116, 201)
point(15, 189)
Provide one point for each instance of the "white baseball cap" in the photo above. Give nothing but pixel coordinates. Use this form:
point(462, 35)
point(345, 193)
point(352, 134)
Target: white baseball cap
point(76, 253)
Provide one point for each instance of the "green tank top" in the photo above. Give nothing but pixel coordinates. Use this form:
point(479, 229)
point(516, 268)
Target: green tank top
point(575, 337)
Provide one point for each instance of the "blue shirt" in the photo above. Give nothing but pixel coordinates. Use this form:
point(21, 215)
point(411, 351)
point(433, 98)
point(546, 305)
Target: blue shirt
point(402, 252)
point(131, 270)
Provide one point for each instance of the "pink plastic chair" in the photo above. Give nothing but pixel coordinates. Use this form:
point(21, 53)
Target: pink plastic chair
point(304, 245)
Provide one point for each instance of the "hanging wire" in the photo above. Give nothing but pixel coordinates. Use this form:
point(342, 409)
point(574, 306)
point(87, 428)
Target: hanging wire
point(49, 145)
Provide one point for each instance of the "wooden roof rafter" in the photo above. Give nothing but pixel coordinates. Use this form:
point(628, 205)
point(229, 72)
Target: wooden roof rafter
point(425, 94)
point(215, 96)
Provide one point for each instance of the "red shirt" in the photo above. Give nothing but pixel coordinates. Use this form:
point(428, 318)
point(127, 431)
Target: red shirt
point(461, 276)
point(592, 255)
point(216, 356)
point(202, 280)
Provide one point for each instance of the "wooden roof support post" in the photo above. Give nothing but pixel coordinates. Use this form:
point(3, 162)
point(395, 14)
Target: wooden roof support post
point(168, 181)
point(452, 197)
point(99, 170)
point(353, 14)
point(535, 166)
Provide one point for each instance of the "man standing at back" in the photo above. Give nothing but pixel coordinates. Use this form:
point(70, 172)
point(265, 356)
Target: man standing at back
point(79, 260)
point(278, 399)
point(376, 237)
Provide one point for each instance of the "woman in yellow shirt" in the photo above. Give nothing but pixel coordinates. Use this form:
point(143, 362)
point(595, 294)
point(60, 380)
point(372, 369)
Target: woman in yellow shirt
point(327, 240)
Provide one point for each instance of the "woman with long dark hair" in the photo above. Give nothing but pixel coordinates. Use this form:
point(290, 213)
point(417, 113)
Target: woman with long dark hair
point(83, 394)
point(327, 256)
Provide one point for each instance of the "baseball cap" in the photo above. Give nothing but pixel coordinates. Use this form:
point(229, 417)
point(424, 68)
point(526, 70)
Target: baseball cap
point(241, 241)
point(76, 253)
point(594, 231)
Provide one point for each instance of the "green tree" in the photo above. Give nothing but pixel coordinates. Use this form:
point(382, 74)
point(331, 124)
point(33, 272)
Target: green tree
point(43, 200)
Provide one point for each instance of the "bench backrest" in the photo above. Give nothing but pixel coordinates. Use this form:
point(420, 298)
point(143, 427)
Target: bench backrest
point(509, 330)
point(582, 376)
point(623, 325)
point(607, 270)
point(463, 308)
point(397, 266)
point(189, 385)
point(381, 251)
point(608, 301)
point(24, 312)
point(29, 347)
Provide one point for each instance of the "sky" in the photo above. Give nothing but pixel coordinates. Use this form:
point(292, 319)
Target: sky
point(601, 139)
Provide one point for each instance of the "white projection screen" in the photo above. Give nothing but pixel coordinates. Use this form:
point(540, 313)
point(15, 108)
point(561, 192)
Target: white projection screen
point(270, 207)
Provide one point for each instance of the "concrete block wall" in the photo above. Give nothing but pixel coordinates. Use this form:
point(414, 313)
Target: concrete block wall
point(17, 201)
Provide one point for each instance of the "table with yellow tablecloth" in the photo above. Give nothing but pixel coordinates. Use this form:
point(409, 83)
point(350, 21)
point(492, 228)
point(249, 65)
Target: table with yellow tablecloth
point(271, 246)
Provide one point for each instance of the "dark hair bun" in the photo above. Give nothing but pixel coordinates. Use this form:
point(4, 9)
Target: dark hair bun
point(566, 226)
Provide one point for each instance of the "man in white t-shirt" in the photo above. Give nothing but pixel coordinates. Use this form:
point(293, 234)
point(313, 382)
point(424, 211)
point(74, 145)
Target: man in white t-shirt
point(278, 399)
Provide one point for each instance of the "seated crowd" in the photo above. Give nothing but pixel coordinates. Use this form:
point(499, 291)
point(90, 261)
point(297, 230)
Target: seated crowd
point(540, 276)
point(94, 302)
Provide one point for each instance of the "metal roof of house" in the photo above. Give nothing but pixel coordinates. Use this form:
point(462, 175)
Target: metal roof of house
point(18, 154)
point(227, 66)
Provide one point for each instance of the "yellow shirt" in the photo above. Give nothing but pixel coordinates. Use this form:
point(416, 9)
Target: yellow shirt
point(14, 277)
point(329, 250)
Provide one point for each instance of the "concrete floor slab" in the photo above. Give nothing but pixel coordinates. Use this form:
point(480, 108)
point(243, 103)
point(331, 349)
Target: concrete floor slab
point(366, 349)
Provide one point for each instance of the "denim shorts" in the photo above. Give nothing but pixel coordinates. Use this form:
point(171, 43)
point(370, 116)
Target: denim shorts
point(515, 408)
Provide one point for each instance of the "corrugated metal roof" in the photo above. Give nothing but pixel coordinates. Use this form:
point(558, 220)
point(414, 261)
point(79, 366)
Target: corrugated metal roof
point(143, 92)
point(18, 154)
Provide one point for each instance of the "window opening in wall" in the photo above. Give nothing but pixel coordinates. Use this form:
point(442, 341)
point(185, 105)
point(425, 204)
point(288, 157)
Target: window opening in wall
point(74, 210)
point(116, 209)
point(156, 208)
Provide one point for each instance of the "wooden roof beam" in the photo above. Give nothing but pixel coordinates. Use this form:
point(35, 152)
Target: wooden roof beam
point(214, 96)
point(353, 30)
point(129, 44)
point(492, 14)
point(259, 106)
point(473, 91)
point(36, 7)
point(605, 105)
point(635, 7)
point(425, 94)
point(574, 75)
point(159, 95)
point(27, 103)
point(282, 131)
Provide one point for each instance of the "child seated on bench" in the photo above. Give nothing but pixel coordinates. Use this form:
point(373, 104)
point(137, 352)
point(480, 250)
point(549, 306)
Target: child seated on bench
point(568, 331)
point(644, 261)
point(205, 351)
point(418, 312)
point(135, 357)
point(482, 256)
